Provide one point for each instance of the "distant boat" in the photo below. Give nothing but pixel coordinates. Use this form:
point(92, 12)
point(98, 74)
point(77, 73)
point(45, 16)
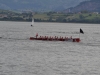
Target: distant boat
point(56, 38)
point(32, 22)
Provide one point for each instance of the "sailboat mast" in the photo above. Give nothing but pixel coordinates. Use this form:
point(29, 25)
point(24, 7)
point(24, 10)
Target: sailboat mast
point(32, 19)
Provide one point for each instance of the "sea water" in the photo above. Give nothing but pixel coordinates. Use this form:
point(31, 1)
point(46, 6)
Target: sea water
point(21, 56)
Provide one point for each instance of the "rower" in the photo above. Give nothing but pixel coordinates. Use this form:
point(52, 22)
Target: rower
point(36, 35)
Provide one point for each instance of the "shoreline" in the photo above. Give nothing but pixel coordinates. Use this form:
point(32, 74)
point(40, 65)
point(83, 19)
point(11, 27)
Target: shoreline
point(50, 22)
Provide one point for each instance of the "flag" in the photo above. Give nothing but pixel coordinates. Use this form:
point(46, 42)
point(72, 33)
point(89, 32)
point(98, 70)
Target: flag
point(81, 31)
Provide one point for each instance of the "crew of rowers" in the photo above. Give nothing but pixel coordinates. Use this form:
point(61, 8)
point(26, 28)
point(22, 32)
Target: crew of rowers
point(52, 38)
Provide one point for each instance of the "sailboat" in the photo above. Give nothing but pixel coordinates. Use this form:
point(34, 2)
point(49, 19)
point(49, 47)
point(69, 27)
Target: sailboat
point(32, 22)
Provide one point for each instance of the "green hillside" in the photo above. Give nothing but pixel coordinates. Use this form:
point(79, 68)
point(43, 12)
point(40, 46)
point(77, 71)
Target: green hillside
point(83, 17)
point(89, 5)
point(70, 18)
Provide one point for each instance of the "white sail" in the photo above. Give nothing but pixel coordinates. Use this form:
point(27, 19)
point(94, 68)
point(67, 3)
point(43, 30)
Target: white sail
point(32, 21)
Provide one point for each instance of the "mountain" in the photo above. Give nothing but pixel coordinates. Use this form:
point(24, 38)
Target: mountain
point(38, 5)
point(90, 5)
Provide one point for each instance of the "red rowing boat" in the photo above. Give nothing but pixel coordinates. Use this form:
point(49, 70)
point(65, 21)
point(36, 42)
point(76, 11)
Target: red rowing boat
point(46, 38)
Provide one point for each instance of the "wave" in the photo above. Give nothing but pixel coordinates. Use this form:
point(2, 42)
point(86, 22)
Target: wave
point(64, 32)
point(93, 44)
point(90, 44)
point(96, 33)
point(5, 38)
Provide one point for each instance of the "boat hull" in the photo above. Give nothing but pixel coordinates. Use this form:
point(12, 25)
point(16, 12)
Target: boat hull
point(55, 39)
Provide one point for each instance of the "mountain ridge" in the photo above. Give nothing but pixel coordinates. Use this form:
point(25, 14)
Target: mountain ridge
point(41, 5)
point(90, 6)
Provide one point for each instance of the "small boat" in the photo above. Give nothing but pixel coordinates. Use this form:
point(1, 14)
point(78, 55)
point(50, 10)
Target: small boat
point(55, 38)
point(32, 22)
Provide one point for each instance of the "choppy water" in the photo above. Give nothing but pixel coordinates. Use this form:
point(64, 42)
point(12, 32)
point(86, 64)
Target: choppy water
point(21, 56)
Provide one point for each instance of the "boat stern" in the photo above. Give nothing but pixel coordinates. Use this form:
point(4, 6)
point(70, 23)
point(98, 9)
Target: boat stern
point(76, 40)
